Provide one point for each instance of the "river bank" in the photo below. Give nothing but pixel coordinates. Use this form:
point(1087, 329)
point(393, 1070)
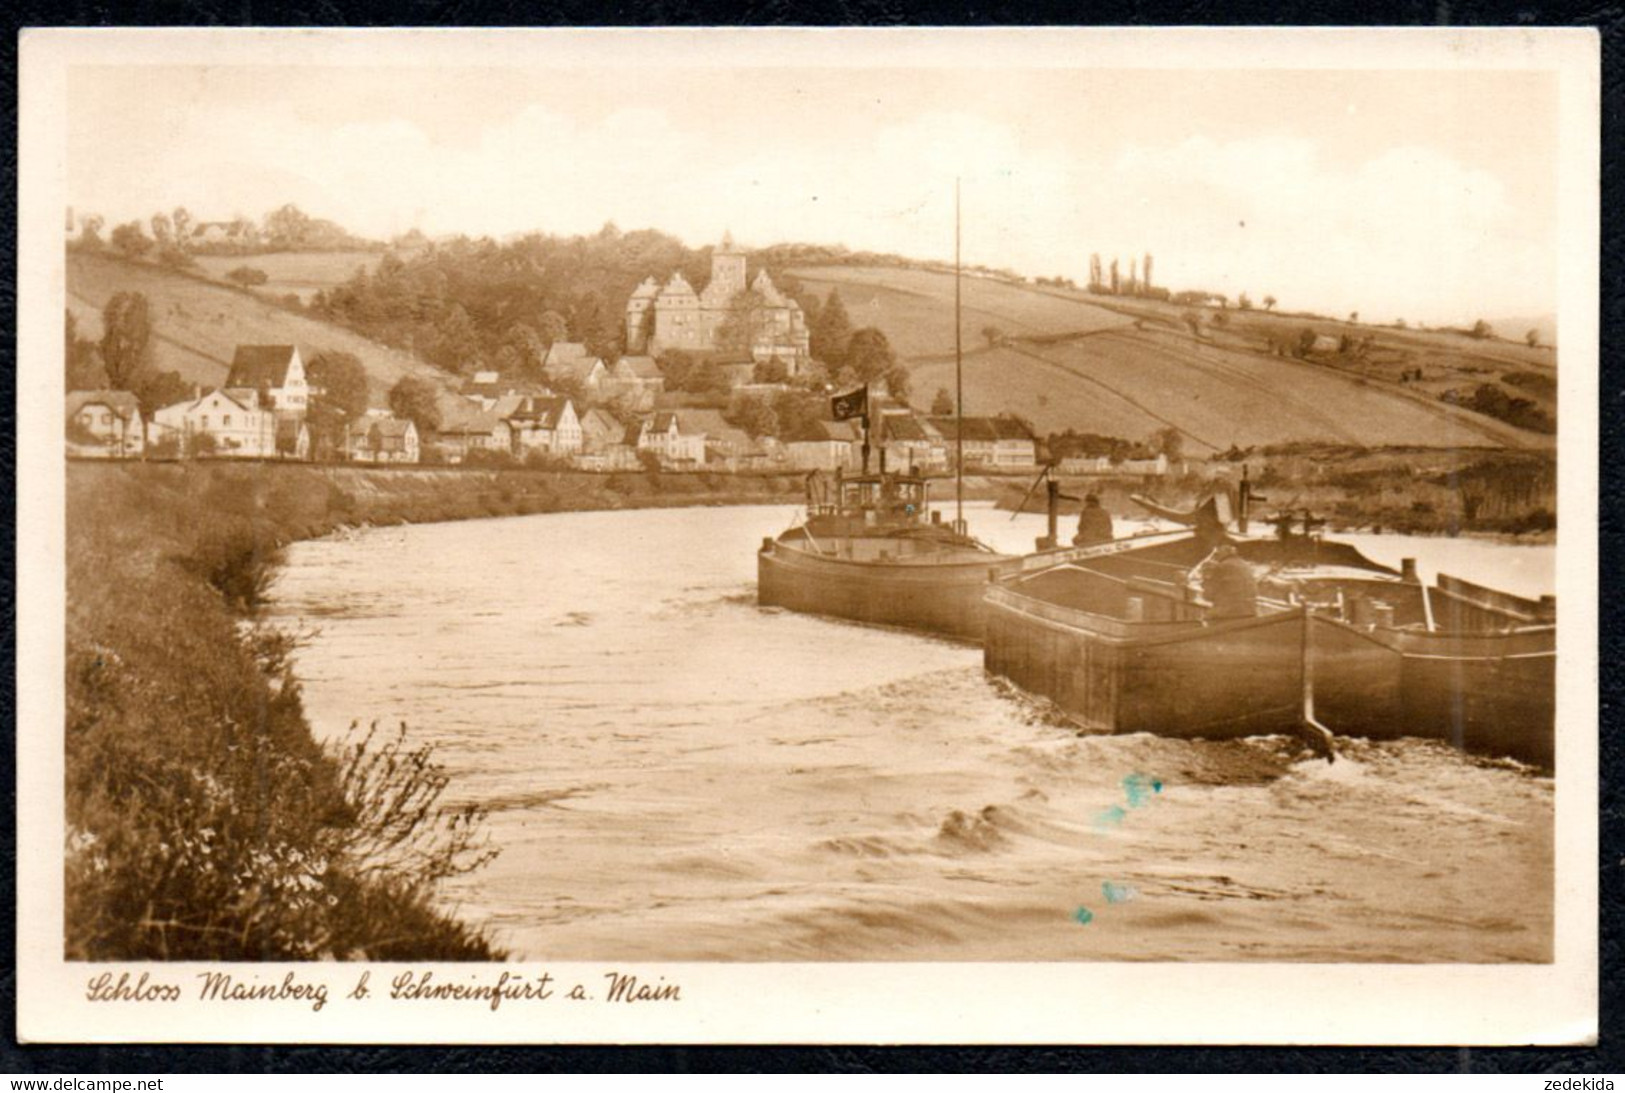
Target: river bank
point(205, 821)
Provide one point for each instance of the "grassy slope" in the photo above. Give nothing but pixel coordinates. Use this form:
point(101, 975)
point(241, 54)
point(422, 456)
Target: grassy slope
point(1126, 369)
point(199, 324)
point(298, 272)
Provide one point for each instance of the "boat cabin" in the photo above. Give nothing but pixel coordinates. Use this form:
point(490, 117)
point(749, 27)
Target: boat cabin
point(868, 505)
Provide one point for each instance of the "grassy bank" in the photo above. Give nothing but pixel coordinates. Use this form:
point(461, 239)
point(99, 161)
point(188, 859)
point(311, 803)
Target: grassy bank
point(204, 821)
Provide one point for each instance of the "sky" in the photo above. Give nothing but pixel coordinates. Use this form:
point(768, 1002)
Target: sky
point(1423, 195)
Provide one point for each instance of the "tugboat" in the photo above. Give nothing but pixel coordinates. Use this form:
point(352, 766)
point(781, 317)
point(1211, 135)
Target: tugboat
point(872, 550)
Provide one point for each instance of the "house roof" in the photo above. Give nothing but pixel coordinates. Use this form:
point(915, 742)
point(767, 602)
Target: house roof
point(122, 403)
point(643, 368)
point(394, 427)
point(819, 432)
point(542, 412)
point(260, 366)
point(647, 290)
point(602, 421)
point(480, 423)
point(564, 352)
point(984, 429)
point(907, 427)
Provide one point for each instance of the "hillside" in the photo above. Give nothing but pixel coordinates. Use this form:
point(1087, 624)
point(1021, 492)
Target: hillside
point(1125, 367)
point(198, 325)
point(300, 273)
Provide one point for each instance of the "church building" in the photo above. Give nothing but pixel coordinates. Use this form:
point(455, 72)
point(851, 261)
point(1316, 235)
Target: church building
point(677, 317)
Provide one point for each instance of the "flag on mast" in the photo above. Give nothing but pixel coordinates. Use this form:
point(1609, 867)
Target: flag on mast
point(854, 403)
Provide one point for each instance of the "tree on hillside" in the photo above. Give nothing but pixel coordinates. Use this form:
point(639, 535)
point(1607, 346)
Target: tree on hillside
point(1146, 270)
point(1115, 284)
point(340, 381)
point(1193, 320)
point(160, 389)
point(183, 225)
point(1482, 329)
point(162, 231)
point(339, 395)
point(247, 276)
point(744, 323)
point(993, 334)
point(287, 227)
point(456, 345)
point(552, 327)
point(770, 371)
point(942, 403)
point(131, 240)
point(755, 415)
point(1244, 302)
point(833, 331)
point(83, 361)
point(126, 340)
point(90, 233)
point(1094, 271)
point(523, 351)
point(1269, 303)
point(1306, 342)
point(1532, 338)
point(414, 399)
point(870, 357)
point(1354, 316)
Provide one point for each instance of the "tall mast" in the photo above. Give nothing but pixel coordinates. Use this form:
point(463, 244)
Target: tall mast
point(959, 387)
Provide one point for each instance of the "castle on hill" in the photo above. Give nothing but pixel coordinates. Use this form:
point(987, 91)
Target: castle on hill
point(677, 317)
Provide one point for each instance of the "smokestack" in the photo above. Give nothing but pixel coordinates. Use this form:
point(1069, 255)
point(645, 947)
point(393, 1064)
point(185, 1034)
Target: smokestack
point(1407, 571)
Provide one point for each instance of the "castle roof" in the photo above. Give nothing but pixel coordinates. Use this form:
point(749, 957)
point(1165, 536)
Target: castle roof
point(677, 286)
point(649, 289)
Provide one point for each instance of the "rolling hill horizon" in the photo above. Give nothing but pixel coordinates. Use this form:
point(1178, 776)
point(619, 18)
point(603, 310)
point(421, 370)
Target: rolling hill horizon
point(1127, 367)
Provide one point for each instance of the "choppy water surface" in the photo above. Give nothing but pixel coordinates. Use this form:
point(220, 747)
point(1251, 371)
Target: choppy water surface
point(675, 773)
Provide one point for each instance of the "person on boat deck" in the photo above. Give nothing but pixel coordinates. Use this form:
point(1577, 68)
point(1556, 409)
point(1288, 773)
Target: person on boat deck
point(1094, 523)
point(1229, 585)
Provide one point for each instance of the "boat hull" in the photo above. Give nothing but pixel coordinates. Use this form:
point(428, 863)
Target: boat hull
point(1493, 694)
point(942, 599)
point(1186, 679)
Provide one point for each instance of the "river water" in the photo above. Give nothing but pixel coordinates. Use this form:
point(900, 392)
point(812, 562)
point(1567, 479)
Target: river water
point(674, 773)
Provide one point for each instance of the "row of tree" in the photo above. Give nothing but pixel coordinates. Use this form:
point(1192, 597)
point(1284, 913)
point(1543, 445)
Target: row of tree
point(175, 235)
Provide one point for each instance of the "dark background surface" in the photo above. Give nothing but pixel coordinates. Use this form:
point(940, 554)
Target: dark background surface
point(1606, 1058)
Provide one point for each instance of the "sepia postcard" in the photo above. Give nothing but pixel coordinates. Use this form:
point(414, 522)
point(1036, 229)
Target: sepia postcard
point(862, 536)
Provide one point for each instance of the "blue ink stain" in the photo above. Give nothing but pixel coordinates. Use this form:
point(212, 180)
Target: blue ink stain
point(1111, 817)
point(1083, 916)
point(1117, 893)
point(1135, 786)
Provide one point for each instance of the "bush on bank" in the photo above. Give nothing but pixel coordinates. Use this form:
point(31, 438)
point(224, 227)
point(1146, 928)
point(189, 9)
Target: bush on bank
point(204, 822)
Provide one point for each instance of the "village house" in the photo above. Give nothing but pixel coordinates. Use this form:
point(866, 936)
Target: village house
point(636, 381)
point(537, 424)
point(727, 446)
point(659, 319)
point(292, 439)
point(224, 233)
point(990, 442)
point(275, 373)
point(480, 431)
point(1101, 465)
point(105, 424)
point(823, 446)
point(569, 362)
point(221, 424)
point(604, 445)
point(385, 440)
point(668, 435)
point(911, 443)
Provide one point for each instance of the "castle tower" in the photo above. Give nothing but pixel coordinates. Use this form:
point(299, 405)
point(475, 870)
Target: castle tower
point(727, 271)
